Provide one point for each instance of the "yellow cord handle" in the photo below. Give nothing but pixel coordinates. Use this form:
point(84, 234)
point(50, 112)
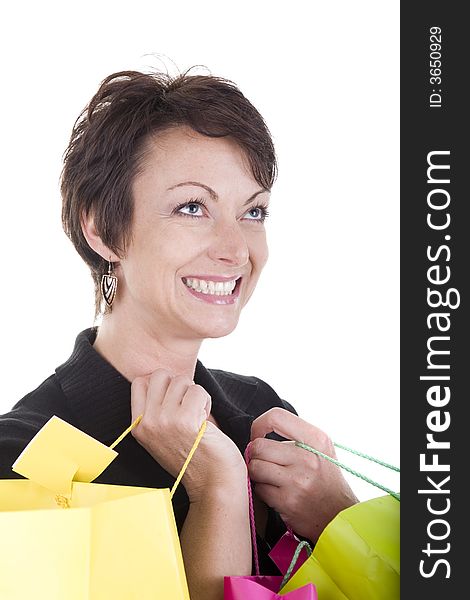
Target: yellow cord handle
point(190, 455)
point(62, 502)
point(128, 430)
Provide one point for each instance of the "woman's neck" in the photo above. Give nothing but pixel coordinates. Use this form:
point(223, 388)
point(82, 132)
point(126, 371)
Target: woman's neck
point(135, 351)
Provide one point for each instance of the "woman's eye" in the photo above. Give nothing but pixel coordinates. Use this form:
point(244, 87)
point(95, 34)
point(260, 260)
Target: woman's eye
point(257, 213)
point(191, 208)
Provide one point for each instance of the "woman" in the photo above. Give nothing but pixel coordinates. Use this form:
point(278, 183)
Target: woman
point(165, 188)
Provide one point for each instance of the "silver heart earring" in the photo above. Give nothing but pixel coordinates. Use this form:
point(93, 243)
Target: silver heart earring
point(109, 285)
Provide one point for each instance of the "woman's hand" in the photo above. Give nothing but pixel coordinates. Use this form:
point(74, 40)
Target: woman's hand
point(174, 409)
point(305, 489)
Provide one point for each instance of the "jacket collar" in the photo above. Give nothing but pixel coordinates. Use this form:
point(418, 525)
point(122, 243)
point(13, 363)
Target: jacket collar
point(99, 396)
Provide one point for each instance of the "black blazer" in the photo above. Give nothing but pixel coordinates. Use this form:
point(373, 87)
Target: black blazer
point(92, 395)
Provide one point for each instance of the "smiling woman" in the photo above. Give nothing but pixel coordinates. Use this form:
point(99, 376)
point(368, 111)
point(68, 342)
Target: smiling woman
point(206, 230)
point(165, 190)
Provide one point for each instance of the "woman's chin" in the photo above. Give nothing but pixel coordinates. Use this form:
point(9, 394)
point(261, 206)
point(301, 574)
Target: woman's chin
point(217, 329)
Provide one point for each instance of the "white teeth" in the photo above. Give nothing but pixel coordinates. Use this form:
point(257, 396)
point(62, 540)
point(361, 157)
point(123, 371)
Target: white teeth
point(216, 288)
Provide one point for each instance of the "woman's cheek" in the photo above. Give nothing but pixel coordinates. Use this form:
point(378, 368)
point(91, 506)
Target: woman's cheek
point(260, 252)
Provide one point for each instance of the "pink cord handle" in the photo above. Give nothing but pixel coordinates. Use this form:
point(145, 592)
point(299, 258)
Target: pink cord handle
point(252, 513)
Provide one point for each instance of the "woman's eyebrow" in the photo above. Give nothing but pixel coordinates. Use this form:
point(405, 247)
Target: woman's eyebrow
point(211, 192)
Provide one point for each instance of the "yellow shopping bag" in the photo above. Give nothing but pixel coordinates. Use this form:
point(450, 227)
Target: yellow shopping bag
point(357, 556)
point(64, 538)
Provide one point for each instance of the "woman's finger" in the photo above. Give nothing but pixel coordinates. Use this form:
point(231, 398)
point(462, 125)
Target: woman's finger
point(196, 403)
point(267, 472)
point(281, 453)
point(138, 397)
point(270, 495)
point(158, 384)
point(175, 392)
point(289, 426)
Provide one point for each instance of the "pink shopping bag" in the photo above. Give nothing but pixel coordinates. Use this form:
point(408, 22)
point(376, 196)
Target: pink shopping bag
point(259, 587)
point(288, 554)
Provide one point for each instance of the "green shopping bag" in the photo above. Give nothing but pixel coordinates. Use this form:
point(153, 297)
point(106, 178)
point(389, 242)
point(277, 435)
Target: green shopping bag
point(357, 557)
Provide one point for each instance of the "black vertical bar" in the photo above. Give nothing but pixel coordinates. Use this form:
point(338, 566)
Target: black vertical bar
point(435, 259)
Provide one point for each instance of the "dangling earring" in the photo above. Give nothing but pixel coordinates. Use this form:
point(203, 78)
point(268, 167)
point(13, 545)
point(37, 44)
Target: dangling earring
point(109, 284)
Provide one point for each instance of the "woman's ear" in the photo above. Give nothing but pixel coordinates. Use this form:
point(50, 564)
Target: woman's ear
point(94, 240)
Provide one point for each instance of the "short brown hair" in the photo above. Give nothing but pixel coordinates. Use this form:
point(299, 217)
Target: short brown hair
point(108, 140)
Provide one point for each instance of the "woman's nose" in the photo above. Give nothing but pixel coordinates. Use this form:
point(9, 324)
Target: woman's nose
point(229, 244)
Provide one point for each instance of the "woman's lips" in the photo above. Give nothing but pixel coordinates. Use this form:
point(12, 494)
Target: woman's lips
point(214, 290)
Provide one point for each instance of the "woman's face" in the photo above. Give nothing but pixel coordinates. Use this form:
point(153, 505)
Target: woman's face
point(198, 238)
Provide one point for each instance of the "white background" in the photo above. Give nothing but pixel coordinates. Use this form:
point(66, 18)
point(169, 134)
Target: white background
point(323, 325)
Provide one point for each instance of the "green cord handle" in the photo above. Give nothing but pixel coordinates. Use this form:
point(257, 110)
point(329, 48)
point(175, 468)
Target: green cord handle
point(367, 456)
point(297, 552)
point(352, 471)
